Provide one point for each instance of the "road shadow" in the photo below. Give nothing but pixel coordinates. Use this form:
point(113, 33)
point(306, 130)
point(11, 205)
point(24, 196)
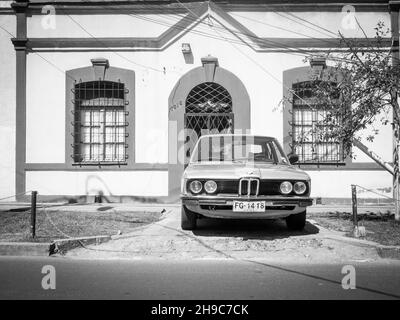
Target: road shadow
point(250, 229)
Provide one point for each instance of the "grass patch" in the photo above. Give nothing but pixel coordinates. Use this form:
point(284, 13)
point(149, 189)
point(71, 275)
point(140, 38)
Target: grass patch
point(53, 224)
point(384, 230)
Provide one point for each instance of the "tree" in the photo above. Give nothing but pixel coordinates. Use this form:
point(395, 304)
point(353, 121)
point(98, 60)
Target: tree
point(358, 91)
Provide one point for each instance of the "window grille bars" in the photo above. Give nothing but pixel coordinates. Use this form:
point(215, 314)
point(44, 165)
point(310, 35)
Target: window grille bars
point(208, 108)
point(309, 131)
point(100, 122)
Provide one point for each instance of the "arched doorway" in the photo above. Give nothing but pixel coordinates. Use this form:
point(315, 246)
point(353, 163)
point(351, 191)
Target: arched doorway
point(205, 98)
point(208, 109)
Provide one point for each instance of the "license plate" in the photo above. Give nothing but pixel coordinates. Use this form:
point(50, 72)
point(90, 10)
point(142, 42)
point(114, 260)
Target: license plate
point(248, 206)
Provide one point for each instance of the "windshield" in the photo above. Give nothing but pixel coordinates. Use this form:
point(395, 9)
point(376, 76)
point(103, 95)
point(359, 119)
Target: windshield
point(238, 149)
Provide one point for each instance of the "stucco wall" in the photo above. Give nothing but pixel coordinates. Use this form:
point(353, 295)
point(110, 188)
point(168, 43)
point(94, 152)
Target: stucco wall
point(262, 79)
point(7, 108)
point(304, 23)
point(117, 183)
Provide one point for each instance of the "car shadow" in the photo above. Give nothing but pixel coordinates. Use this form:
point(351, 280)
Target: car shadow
point(250, 229)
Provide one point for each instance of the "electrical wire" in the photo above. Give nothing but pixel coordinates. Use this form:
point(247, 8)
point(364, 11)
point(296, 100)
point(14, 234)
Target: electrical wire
point(269, 25)
point(308, 22)
point(261, 67)
point(236, 33)
point(116, 53)
point(231, 41)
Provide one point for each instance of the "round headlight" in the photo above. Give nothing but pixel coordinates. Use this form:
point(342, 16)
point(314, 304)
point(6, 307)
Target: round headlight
point(196, 186)
point(210, 186)
point(286, 187)
point(300, 187)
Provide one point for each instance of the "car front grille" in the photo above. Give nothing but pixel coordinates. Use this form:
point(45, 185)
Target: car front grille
point(249, 186)
point(265, 187)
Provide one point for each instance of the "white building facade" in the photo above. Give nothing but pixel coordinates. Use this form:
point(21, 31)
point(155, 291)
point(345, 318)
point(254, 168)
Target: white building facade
point(96, 97)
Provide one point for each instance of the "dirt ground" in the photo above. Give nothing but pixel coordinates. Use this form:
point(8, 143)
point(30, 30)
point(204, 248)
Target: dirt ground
point(53, 223)
point(379, 228)
point(232, 239)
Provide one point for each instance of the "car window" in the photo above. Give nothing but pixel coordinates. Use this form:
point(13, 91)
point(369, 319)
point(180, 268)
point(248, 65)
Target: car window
point(280, 154)
point(236, 148)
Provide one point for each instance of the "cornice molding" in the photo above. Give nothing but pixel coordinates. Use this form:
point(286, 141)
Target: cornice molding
point(394, 5)
point(175, 32)
point(20, 6)
point(142, 7)
point(20, 44)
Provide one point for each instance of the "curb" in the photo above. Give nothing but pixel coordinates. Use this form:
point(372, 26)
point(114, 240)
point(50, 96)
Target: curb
point(46, 249)
point(385, 252)
point(63, 245)
point(24, 249)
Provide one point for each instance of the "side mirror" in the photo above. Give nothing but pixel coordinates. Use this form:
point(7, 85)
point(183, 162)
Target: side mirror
point(293, 158)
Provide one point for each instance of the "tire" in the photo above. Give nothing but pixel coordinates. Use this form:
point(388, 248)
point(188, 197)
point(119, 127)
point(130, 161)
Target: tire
point(296, 221)
point(188, 219)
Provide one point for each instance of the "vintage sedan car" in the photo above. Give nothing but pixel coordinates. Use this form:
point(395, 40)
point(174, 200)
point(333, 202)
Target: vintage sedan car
point(234, 176)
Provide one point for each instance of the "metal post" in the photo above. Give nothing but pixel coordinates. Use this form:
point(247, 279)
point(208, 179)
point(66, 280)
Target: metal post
point(354, 204)
point(33, 213)
point(394, 20)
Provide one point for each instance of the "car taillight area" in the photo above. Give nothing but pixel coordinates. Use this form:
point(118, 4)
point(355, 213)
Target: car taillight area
point(249, 187)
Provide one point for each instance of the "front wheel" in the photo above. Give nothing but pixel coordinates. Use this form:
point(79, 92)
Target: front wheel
point(296, 221)
point(188, 219)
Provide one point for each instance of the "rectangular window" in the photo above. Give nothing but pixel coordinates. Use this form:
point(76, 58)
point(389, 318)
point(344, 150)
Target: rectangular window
point(309, 130)
point(100, 122)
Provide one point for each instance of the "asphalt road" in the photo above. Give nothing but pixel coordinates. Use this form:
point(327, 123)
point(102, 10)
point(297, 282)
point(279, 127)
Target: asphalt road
point(21, 278)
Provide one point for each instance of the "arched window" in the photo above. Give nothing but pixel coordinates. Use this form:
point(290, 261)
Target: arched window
point(309, 128)
point(99, 122)
point(208, 108)
point(209, 97)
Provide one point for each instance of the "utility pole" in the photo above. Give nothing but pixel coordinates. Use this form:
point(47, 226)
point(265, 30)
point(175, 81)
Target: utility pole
point(394, 21)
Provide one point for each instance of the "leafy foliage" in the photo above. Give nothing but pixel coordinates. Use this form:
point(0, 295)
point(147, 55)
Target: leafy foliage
point(359, 89)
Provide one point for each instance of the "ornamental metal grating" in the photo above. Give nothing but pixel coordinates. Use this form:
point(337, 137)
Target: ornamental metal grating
point(208, 110)
point(209, 123)
point(100, 122)
point(308, 130)
point(209, 97)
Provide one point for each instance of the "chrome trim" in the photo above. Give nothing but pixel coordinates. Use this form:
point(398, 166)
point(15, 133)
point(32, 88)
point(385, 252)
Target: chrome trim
point(249, 180)
point(245, 198)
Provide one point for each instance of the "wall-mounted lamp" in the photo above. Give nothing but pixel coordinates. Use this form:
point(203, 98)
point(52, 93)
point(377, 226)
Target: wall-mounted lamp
point(186, 49)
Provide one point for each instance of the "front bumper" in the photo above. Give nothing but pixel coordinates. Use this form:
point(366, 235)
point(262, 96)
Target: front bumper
point(221, 207)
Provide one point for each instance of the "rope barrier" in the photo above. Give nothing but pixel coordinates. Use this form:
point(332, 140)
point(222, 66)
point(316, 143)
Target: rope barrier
point(18, 194)
point(377, 193)
point(53, 224)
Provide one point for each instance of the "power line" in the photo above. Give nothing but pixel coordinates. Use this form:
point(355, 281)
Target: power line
point(292, 51)
point(36, 53)
point(265, 70)
point(309, 22)
point(116, 53)
point(254, 61)
point(283, 29)
point(258, 39)
point(5, 30)
point(279, 45)
point(269, 25)
point(241, 42)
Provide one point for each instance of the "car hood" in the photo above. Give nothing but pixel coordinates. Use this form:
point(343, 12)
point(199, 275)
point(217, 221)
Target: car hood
point(212, 170)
